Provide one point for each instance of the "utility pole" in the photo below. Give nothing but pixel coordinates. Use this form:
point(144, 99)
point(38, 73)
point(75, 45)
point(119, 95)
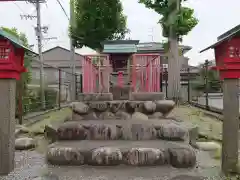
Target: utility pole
point(39, 39)
point(174, 76)
point(72, 49)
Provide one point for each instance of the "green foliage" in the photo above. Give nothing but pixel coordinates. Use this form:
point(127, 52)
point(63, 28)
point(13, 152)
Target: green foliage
point(96, 21)
point(34, 99)
point(214, 84)
point(183, 22)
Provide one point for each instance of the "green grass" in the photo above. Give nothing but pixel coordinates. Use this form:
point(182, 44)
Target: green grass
point(48, 119)
point(209, 127)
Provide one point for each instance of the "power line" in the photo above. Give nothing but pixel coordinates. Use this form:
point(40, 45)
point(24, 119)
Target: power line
point(64, 11)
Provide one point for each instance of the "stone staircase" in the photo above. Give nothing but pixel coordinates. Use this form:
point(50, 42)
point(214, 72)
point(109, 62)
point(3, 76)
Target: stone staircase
point(133, 133)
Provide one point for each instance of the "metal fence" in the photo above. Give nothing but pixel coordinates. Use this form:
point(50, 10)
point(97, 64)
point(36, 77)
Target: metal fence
point(56, 88)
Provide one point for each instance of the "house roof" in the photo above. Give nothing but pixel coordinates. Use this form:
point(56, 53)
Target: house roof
point(156, 46)
point(60, 48)
point(17, 42)
point(224, 37)
point(120, 42)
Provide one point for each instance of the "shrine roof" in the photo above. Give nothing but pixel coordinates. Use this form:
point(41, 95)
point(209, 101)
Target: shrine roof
point(17, 42)
point(224, 37)
point(135, 42)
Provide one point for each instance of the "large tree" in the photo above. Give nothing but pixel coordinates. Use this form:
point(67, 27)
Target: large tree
point(176, 21)
point(96, 21)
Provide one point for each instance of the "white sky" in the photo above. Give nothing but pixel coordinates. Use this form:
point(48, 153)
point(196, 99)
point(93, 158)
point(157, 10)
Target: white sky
point(215, 17)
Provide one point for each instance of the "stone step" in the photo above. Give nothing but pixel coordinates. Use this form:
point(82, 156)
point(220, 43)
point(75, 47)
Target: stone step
point(124, 130)
point(110, 153)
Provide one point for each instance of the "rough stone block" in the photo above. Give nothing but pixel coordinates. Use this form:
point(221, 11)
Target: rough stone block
point(65, 156)
point(182, 157)
point(122, 115)
point(71, 131)
point(139, 132)
point(95, 97)
point(106, 156)
point(149, 107)
point(144, 157)
point(80, 108)
point(99, 106)
point(24, 143)
point(172, 132)
point(165, 106)
point(102, 132)
point(139, 116)
point(149, 96)
point(107, 116)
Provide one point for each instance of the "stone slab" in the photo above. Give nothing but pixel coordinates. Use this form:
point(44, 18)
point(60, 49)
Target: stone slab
point(95, 97)
point(111, 153)
point(86, 145)
point(143, 96)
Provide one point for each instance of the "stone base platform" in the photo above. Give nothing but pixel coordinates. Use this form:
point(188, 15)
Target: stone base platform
point(109, 153)
point(124, 130)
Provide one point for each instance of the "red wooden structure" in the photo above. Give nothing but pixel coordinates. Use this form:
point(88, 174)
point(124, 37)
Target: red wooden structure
point(145, 70)
point(11, 60)
point(96, 73)
point(145, 73)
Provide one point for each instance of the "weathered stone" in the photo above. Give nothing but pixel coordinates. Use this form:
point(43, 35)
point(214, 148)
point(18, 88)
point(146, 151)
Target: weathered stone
point(193, 135)
point(149, 107)
point(139, 116)
point(102, 132)
point(130, 107)
point(122, 115)
point(106, 156)
point(156, 115)
point(172, 132)
point(188, 177)
point(107, 116)
point(144, 157)
point(208, 146)
point(80, 108)
point(182, 157)
point(165, 106)
point(76, 117)
point(90, 116)
point(24, 143)
point(139, 132)
point(65, 156)
point(99, 106)
point(71, 131)
point(116, 106)
point(50, 132)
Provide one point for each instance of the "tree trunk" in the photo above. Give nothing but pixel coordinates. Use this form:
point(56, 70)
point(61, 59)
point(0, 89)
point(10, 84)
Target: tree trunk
point(174, 67)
